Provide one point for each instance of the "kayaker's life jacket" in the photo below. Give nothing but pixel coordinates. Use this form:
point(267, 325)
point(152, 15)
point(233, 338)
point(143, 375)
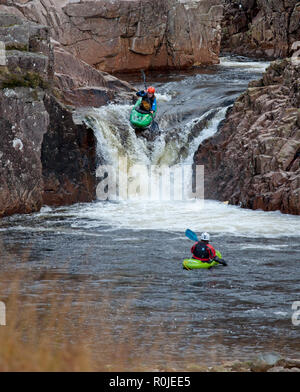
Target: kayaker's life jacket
point(147, 103)
point(202, 251)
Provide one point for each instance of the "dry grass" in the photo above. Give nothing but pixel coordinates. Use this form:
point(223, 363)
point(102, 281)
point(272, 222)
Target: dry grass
point(32, 339)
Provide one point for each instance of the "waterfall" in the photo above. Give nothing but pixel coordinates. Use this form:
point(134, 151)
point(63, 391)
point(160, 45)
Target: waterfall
point(172, 150)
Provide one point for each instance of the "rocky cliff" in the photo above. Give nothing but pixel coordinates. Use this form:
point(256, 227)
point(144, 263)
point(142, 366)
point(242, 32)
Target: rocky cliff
point(122, 35)
point(254, 159)
point(73, 81)
point(44, 156)
point(260, 28)
point(126, 35)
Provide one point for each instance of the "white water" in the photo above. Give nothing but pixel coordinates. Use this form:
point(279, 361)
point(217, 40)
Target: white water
point(175, 145)
point(248, 66)
point(212, 216)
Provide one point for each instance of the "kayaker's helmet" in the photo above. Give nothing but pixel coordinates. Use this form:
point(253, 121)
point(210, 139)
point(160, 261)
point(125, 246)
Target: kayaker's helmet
point(151, 90)
point(205, 237)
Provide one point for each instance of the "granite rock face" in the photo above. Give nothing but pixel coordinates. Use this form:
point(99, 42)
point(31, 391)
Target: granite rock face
point(23, 123)
point(126, 35)
point(260, 28)
point(254, 159)
point(44, 157)
point(78, 84)
point(68, 157)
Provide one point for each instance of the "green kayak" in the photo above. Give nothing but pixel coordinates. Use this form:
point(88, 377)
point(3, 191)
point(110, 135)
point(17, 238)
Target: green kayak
point(198, 264)
point(139, 118)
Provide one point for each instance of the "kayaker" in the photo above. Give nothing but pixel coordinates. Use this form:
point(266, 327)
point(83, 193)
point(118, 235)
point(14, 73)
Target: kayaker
point(148, 103)
point(202, 250)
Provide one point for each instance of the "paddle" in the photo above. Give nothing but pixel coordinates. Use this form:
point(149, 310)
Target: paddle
point(193, 236)
point(144, 77)
point(154, 126)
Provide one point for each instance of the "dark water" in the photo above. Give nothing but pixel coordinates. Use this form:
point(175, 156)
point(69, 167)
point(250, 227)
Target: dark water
point(130, 256)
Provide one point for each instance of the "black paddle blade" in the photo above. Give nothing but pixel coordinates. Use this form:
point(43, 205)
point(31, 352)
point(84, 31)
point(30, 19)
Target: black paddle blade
point(223, 262)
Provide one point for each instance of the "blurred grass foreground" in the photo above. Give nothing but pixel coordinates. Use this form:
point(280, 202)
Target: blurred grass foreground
point(54, 327)
point(57, 330)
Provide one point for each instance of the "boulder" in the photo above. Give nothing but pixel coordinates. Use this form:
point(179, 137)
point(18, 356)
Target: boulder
point(78, 84)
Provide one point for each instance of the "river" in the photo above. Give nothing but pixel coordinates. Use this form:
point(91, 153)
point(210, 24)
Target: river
point(129, 252)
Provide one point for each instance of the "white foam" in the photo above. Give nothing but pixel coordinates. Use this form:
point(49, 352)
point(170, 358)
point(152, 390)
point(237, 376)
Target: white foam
point(212, 216)
point(163, 97)
point(248, 66)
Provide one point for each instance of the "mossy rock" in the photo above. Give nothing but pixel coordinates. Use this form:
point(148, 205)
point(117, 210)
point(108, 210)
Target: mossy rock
point(29, 79)
point(17, 46)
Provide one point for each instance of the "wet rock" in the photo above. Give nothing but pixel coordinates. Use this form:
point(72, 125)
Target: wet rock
point(45, 158)
point(25, 71)
point(253, 160)
point(264, 362)
point(23, 123)
point(68, 157)
point(127, 35)
point(33, 59)
point(260, 28)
